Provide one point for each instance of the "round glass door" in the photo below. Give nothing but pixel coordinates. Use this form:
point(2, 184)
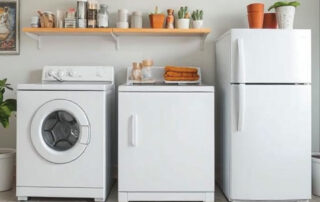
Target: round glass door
point(60, 131)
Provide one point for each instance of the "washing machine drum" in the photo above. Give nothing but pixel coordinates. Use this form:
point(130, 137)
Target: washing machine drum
point(60, 131)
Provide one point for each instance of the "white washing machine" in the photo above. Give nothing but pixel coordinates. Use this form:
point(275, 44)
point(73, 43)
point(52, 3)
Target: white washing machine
point(64, 128)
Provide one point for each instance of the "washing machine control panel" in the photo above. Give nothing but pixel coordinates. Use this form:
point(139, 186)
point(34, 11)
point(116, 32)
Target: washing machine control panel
point(78, 73)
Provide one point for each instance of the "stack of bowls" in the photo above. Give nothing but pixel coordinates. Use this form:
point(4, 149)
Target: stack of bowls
point(255, 15)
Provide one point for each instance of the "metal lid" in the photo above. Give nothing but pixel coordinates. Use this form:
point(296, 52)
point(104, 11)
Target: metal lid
point(137, 13)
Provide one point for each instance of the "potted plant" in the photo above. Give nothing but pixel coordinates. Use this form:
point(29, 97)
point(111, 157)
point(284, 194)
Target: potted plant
point(285, 12)
point(255, 15)
point(156, 19)
point(197, 19)
point(183, 21)
point(6, 155)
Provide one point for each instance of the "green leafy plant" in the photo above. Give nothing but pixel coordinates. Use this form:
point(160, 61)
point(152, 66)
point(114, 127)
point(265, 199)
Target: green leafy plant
point(284, 3)
point(183, 13)
point(197, 15)
point(6, 106)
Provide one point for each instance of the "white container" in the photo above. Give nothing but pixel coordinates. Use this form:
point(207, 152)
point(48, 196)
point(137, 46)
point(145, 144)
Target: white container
point(197, 24)
point(123, 15)
point(285, 16)
point(316, 174)
point(136, 20)
point(7, 158)
point(183, 23)
point(124, 25)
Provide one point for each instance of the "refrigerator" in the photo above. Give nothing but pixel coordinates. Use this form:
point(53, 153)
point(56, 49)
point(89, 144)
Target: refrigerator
point(263, 119)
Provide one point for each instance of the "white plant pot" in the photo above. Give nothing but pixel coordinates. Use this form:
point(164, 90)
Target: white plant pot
point(7, 159)
point(183, 23)
point(197, 24)
point(285, 16)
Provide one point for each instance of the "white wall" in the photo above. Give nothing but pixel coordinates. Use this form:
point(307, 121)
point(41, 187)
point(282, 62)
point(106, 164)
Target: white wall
point(220, 15)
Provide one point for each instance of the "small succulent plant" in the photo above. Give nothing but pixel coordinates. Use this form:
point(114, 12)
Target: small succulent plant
point(156, 11)
point(183, 13)
point(197, 15)
point(284, 3)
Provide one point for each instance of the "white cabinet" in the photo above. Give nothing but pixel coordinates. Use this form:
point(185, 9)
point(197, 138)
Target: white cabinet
point(166, 144)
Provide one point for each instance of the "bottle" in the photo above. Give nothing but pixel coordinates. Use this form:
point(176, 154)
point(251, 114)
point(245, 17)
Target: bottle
point(92, 13)
point(136, 72)
point(170, 19)
point(103, 16)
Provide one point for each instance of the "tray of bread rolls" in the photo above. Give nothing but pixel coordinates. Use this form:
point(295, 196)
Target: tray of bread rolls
point(168, 75)
point(182, 75)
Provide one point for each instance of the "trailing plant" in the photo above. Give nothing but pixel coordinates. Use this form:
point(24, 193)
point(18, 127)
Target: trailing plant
point(197, 15)
point(284, 3)
point(183, 13)
point(6, 106)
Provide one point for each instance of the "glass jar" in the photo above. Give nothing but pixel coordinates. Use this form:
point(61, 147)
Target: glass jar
point(92, 14)
point(136, 72)
point(103, 16)
point(146, 70)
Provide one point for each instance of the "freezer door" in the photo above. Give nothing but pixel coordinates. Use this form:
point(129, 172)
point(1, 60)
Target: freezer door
point(271, 142)
point(271, 56)
point(166, 142)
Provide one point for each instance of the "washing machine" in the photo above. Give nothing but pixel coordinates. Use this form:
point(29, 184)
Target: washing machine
point(64, 131)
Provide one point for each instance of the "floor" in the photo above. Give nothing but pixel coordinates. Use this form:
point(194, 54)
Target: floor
point(9, 196)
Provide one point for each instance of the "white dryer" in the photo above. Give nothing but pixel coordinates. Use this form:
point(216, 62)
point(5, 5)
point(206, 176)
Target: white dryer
point(64, 128)
point(166, 142)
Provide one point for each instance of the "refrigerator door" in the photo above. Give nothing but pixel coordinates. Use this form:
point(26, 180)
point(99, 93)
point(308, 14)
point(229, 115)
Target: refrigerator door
point(271, 142)
point(166, 142)
point(271, 56)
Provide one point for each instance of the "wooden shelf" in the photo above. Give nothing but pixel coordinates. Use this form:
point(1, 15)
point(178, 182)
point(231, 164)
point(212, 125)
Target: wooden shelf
point(162, 31)
point(56, 31)
point(37, 33)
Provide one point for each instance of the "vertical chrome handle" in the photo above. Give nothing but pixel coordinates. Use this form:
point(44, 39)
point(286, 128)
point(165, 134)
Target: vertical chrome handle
point(241, 107)
point(242, 62)
point(134, 129)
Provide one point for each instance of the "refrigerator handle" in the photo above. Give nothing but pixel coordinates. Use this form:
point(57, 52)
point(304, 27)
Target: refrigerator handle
point(241, 107)
point(134, 130)
point(242, 62)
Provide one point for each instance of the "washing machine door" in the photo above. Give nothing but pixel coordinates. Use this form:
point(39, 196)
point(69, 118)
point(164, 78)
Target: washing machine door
point(60, 131)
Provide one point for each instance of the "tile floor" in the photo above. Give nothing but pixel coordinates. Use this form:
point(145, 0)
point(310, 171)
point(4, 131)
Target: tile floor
point(9, 196)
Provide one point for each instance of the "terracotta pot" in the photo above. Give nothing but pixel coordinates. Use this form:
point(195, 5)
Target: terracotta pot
point(256, 7)
point(270, 21)
point(157, 20)
point(255, 20)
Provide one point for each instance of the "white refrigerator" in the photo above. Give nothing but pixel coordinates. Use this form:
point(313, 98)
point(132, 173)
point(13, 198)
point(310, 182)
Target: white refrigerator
point(264, 114)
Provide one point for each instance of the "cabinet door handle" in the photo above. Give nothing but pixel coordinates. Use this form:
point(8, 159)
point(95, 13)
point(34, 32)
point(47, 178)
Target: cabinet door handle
point(134, 130)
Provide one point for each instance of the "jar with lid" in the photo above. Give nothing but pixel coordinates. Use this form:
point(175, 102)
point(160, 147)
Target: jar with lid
point(146, 70)
point(82, 13)
point(136, 20)
point(136, 74)
point(92, 13)
point(103, 16)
